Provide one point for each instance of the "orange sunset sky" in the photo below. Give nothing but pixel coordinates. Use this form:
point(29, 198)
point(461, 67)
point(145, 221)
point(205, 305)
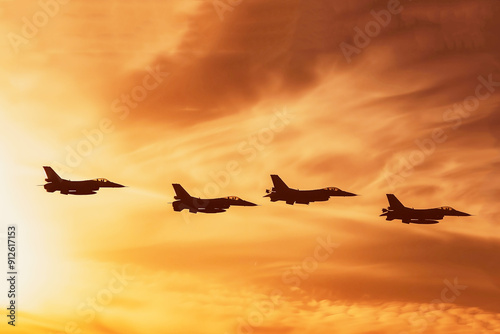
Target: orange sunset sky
point(373, 97)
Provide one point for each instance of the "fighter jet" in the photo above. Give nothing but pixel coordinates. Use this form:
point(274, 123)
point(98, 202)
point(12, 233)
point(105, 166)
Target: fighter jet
point(195, 205)
point(397, 210)
point(281, 192)
point(67, 187)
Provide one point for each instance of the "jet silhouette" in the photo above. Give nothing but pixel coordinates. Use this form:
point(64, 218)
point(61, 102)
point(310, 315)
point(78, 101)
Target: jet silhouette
point(281, 192)
point(67, 187)
point(195, 205)
point(397, 210)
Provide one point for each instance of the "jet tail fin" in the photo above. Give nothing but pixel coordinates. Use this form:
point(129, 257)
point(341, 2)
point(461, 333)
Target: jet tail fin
point(278, 183)
point(394, 202)
point(180, 192)
point(51, 175)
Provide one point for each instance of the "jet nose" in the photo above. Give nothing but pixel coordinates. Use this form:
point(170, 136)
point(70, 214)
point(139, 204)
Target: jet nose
point(348, 194)
point(115, 185)
point(246, 203)
point(464, 214)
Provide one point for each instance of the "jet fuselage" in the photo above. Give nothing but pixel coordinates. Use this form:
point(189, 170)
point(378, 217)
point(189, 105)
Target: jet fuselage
point(301, 196)
point(67, 187)
point(281, 192)
point(397, 210)
point(184, 201)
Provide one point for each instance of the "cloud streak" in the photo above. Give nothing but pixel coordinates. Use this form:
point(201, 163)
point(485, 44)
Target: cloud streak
point(350, 126)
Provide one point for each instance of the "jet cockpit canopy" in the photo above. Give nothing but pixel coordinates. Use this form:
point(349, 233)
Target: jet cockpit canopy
point(101, 180)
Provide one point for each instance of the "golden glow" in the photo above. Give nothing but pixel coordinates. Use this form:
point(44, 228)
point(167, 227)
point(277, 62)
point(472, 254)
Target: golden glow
point(150, 93)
